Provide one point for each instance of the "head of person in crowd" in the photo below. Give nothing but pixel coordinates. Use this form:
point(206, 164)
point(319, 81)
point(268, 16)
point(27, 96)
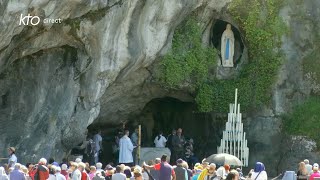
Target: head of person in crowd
point(29, 166)
point(52, 169)
point(99, 165)
point(259, 167)
point(64, 167)
point(185, 165)
point(93, 169)
point(204, 164)
point(164, 158)
point(74, 166)
point(109, 170)
point(174, 132)
point(127, 172)
point(118, 169)
point(137, 173)
point(25, 170)
point(126, 132)
point(179, 132)
point(157, 161)
point(212, 168)
point(57, 169)
point(179, 162)
point(226, 167)
point(233, 175)
point(315, 167)
point(99, 131)
point(122, 166)
point(17, 166)
point(302, 168)
point(42, 161)
point(78, 160)
point(306, 161)
point(81, 166)
point(11, 150)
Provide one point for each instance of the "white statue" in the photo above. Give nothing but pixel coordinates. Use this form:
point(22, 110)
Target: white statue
point(227, 47)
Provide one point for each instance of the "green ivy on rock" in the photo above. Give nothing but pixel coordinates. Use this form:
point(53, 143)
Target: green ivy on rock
point(189, 62)
point(304, 120)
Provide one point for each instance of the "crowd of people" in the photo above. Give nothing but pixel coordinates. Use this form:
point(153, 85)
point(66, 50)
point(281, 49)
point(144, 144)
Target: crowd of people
point(159, 169)
point(308, 171)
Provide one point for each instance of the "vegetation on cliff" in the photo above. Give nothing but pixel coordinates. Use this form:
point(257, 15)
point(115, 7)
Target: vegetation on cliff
point(190, 62)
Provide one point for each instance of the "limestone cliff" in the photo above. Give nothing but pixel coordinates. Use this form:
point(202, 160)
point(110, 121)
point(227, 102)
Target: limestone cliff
point(97, 65)
point(55, 79)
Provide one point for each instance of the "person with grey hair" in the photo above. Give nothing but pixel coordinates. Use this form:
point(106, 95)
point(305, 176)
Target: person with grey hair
point(99, 167)
point(58, 174)
point(16, 174)
point(308, 166)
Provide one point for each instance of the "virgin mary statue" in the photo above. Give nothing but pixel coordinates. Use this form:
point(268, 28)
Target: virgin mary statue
point(227, 47)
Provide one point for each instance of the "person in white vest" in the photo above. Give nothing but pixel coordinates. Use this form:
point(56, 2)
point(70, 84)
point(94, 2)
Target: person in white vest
point(160, 141)
point(126, 148)
point(12, 157)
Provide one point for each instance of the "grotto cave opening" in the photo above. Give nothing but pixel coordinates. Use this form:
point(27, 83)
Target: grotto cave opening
point(165, 114)
point(219, 26)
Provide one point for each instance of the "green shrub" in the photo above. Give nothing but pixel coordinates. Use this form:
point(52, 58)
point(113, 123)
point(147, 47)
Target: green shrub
point(304, 120)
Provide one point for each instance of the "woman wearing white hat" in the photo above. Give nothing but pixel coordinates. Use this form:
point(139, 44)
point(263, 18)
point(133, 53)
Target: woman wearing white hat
point(12, 157)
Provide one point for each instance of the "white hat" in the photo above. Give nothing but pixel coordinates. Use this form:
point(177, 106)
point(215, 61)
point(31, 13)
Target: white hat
point(78, 160)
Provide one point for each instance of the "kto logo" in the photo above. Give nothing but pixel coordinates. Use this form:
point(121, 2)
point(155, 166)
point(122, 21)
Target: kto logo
point(25, 20)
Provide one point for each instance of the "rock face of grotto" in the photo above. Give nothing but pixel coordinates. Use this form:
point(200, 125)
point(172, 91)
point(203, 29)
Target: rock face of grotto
point(97, 67)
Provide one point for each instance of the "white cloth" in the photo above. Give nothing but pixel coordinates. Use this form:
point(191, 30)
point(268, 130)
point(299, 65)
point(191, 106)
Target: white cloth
point(13, 160)
point(60, 176)
point(76, 175)
point(262, 176)
point(309, 169)
point(97, 139)
point(51, 177)
point(126, 148)
point(161, 143)
point(119, 176)
point(3, 175)
point(145, 176)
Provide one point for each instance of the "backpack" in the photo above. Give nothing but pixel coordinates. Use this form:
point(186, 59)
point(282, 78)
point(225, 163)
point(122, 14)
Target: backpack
point(34, 173)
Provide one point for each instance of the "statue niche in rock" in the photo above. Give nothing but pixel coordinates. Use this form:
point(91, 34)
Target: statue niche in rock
point(227, 47)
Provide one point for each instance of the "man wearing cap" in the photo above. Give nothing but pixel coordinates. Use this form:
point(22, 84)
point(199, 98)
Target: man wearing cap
point(181, 173)
point(12, 157)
